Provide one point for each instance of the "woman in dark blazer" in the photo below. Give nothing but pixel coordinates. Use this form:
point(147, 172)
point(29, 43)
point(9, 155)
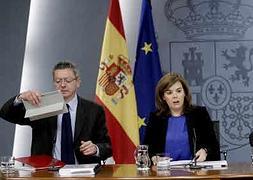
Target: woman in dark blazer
point(177, 127)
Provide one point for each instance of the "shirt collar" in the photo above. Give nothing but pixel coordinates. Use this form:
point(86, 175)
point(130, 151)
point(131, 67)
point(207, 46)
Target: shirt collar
point(73, 103)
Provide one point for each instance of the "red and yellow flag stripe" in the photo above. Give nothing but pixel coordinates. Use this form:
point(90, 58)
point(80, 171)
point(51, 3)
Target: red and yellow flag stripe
point(115, 90)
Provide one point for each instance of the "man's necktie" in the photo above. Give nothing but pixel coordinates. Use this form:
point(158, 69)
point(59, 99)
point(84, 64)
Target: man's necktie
point(67, 153)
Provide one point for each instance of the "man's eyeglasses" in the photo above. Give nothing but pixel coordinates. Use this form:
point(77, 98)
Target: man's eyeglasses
point(65, 80)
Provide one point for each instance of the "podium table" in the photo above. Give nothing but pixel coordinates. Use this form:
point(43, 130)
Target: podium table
point(129, 171)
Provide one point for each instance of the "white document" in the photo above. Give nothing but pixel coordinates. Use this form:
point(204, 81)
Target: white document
point(52, 104)
point(207, 164)
point(214, 164)
point(79, 169)
point(19, 166)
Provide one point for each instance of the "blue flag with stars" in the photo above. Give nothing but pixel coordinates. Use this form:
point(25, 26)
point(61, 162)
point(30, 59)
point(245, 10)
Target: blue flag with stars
point(147, 70)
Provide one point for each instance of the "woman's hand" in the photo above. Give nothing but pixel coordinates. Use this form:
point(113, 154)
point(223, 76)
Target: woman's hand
point(201, 154)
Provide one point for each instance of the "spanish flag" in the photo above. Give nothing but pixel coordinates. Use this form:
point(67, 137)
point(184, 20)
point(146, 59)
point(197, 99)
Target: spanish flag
point(115, 89)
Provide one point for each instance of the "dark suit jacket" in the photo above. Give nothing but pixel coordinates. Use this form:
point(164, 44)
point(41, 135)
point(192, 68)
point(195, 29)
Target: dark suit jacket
point(90, 125)
point(197, 119)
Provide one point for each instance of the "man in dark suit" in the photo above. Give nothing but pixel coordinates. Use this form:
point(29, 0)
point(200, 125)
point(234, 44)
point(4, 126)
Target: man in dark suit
point(90, 140)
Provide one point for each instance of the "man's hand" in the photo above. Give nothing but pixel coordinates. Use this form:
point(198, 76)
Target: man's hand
point(88, 148)
point(33, 97)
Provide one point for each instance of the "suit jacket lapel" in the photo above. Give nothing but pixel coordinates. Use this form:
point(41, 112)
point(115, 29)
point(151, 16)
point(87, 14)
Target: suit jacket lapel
point(80, 116)
point(53, 125)
point(190, 126)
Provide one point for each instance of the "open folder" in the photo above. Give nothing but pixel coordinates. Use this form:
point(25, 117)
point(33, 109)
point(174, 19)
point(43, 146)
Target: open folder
point(40, 162)
point(52, 104)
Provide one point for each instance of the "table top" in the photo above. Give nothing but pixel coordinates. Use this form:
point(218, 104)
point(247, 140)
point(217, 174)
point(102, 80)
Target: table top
point(129, 171)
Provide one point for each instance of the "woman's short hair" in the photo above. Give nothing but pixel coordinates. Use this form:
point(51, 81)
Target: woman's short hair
point(163, 85)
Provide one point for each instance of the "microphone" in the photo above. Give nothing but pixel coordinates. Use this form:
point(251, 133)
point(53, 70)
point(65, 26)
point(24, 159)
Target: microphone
point(194, 165)
point(52, 166)
point(251, 145)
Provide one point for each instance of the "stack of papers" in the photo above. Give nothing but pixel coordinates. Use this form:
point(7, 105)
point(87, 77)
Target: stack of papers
point(52, 104)
point(214, 164)
point(79, 170)
point(19, 166)
point(204, 164)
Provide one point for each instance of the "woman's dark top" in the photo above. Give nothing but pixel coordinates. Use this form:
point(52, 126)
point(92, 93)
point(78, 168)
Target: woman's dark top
point(200, 133)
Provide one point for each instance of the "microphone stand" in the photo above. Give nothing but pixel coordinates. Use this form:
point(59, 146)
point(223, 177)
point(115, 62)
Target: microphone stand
point(52, 166)
point(194, 164)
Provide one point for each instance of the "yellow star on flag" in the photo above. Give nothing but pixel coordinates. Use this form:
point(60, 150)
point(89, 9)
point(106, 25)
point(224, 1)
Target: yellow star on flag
point(141, 122)
point(147, 48)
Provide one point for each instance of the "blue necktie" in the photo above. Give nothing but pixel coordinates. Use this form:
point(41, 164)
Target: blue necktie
point(67, 153)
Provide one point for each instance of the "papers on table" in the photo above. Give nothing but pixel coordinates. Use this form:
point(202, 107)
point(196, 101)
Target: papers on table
point(19, 166)
point(79, 169)
point(52, 104)
point(214, 164)
point(205, 164)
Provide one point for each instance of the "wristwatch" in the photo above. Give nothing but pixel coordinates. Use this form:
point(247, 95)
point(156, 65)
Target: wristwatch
point(19, 98)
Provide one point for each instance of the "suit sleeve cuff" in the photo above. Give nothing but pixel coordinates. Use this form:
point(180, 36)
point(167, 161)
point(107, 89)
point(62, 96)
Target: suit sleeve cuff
point(97, 154)
point(17, 100)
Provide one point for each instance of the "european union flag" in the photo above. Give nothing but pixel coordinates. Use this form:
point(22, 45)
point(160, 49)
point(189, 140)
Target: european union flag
point(147, 70)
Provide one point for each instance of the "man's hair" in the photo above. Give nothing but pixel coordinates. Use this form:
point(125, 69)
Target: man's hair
point(66, 65)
